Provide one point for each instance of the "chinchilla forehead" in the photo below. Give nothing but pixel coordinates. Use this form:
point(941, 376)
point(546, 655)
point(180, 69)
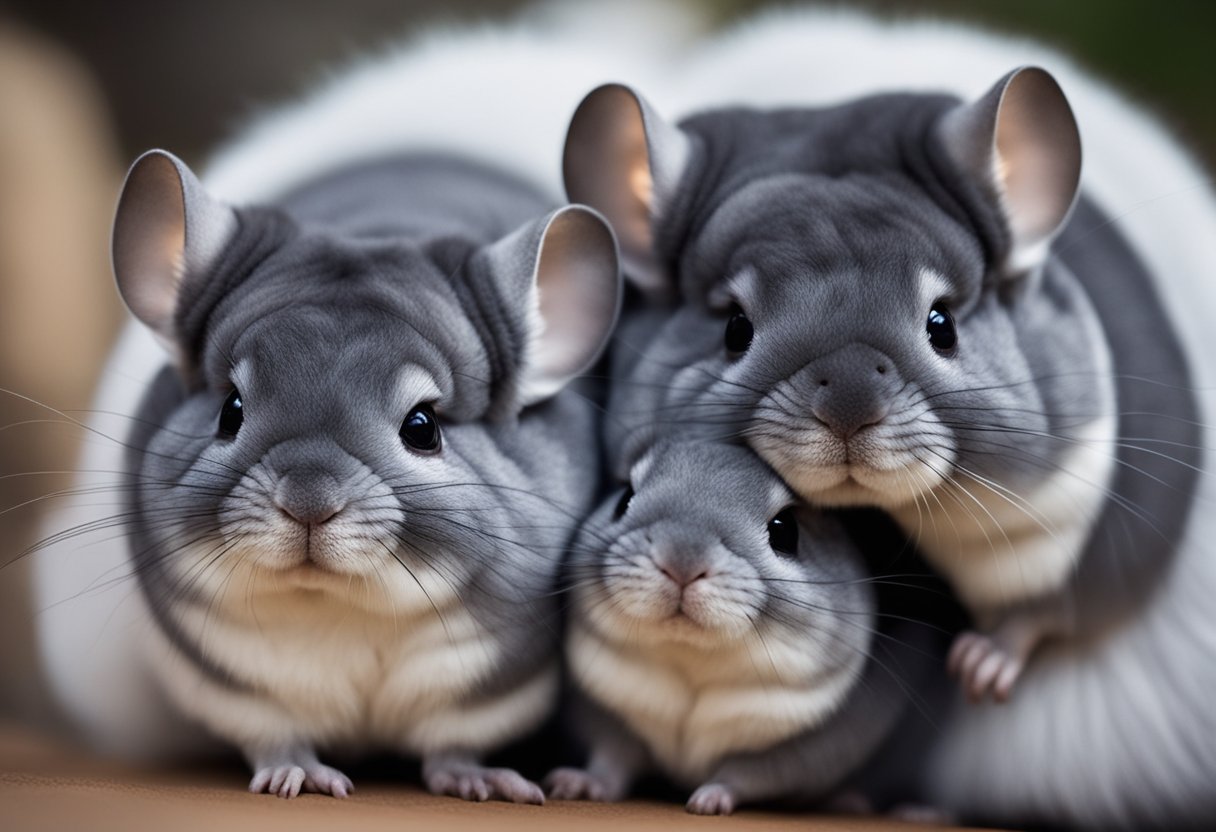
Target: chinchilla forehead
point(855, 188)
point(317, 311)
point(814, 240)
point(818, 263)
point(311, 359)
point(716, 479)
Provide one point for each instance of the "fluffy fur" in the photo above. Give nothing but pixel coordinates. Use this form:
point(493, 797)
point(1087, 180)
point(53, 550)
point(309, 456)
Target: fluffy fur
point(734, 663)
point(1041, 756)
point(1053, 754)
point(501, 94)
point(1114, 732)
point(436, 92)
point(313, 576)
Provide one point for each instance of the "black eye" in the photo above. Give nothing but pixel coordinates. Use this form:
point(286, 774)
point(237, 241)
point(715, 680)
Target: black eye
point(232, 414)
point(622, 505)
point(940, 327)
point(783, 533)
point(420, 430)
point(739, 331)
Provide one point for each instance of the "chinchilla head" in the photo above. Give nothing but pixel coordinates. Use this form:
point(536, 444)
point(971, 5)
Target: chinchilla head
point(865, 291)
point(706, 549)
point(338, 409)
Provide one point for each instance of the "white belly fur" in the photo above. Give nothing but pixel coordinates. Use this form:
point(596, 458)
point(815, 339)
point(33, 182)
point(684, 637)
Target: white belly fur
point(999, 547)
point(332, 676)
point(692, 708)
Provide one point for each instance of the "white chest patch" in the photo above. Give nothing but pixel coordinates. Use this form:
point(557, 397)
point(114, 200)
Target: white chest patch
point(998, 547)
point(693, 708)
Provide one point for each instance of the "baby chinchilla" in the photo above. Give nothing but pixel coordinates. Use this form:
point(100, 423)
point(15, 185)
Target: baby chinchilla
point(726, 637)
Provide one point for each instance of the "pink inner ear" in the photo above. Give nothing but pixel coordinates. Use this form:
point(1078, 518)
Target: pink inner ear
point(1038, 155)
point(623, 159)
point(578, 298)
point(167, 225)
point(149, 241)
point(607, 164)
point(1020, 142)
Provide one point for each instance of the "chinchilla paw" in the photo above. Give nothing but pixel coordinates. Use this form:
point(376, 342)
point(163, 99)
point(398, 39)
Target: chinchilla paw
point(711, 799)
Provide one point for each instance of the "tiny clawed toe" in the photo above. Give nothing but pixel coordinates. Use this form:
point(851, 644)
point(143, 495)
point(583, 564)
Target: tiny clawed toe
point(711, 800)
point(478, 784)
point(288, 781)
point(575, 784)
point(984, 667)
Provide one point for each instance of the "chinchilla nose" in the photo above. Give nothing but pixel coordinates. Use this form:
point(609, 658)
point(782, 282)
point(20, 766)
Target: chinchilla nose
point(850, 389)
point(312, 477)
point(310, 495)
point(684, 561)
point(683, 573)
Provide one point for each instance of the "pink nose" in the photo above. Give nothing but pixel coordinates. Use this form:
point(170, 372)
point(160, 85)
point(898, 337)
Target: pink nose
point(310, 514)
point(682, 576)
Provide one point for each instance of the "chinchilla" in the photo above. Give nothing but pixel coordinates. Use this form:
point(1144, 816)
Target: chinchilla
point(727, 637)
point(903, 301)
point(349, 488)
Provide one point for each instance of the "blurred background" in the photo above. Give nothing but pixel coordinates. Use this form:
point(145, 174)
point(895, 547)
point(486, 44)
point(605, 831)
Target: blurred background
point(85, 87)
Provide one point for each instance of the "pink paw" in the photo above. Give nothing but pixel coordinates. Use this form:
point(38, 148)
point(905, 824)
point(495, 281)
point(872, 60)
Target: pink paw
point(579, 784)
point(984, 666)
point(288, 779)
point(473, 782)
point(711, 799)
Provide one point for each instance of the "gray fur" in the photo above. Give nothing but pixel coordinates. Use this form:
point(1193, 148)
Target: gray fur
point(692, 500)
point(334, 316)
point(820, 223)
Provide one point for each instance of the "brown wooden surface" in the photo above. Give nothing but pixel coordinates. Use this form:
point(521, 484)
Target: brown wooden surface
point(45, 785)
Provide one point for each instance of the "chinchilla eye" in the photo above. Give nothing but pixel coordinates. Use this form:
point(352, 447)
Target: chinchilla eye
point(783, 533)
point(420, 430)
point(232, 415)
point(940, 327)
point(739, 331)
point(622, 505)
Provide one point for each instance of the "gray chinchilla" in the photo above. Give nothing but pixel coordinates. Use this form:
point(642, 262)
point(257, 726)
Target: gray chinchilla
point(896, 303)
point(727, 637)
point(350, 492)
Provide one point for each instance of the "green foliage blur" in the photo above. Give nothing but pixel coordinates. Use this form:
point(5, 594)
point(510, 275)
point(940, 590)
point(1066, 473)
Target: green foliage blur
point(1161, 53)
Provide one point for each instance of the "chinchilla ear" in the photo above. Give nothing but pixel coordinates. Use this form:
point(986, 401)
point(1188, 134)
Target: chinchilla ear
point(568, 264)
point(166, 226)
point(623, 159)
point(1020, 144)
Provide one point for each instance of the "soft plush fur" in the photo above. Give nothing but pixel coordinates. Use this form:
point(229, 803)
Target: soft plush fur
point(1141, 635)
point(1113, 732)
point(434, 95)
point(727, 637)
point(312, 575)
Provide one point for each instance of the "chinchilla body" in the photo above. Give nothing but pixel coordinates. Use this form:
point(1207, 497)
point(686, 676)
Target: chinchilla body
point(729, 638)
point(926, 304)
point(348, 483)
